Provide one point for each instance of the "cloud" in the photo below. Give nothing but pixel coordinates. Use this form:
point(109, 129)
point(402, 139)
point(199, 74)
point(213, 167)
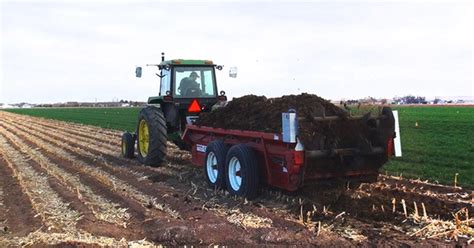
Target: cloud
point(86, 51)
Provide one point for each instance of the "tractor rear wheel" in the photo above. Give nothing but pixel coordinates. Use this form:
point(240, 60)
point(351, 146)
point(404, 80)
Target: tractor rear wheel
point(151, 136)
point(242, 172)
point(214, 164)
point(128, 145)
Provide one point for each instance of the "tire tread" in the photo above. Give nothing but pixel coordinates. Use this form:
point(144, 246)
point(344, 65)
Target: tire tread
point(250, 175)
point(129, 141)
point(220, 150)
point(157, 136)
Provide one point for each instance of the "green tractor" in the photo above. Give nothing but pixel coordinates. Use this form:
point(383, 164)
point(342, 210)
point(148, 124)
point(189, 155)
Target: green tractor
point(187, 88)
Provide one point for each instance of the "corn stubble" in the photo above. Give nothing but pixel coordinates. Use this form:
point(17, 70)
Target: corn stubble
point(409, 214)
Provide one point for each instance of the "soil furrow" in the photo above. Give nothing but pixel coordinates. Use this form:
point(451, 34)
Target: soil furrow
point(73, 125)
point(154, 231)
point(102, 208)
point(234, 215)
point(78, 239)
point(109, 181)
point(18, 215)
point(386, 201)
point(451, 199)
point(97, 141)
point(72, 140)
point(361, 216)
point(55, 213)
point(91, 143)
point(3, 217)
point(88, 221)
point(110, 152)
point(90, 131)
point(346, 204)
point(166, 172)
point(93, 133)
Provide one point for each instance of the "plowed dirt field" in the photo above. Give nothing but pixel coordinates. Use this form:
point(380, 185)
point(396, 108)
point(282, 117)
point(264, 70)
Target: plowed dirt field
point(66, 184)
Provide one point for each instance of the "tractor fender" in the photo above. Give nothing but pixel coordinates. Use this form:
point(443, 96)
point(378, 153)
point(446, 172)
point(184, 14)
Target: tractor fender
point(171, 113)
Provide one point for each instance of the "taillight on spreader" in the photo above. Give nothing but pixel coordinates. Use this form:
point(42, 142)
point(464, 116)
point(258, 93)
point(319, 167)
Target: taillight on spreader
point(390, 150)
point(299, 153)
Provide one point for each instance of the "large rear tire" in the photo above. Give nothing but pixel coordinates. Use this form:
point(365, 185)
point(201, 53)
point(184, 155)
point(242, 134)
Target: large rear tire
point(214, 164)
point(128, 145)
point(242, 172)
point(151, 136)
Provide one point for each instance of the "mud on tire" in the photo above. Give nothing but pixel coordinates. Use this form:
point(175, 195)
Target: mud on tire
point(151, 136)
point(242, 165)
point(214, 164)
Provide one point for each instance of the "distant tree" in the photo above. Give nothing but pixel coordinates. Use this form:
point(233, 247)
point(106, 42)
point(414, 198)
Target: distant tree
point(413, 100)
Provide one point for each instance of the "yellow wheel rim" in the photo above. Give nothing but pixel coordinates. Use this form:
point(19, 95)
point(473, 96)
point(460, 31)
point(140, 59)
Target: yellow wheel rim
point(143, 138)
point(123, 147)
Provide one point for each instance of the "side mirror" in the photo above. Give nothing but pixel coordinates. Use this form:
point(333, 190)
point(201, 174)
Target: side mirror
point(138, 72)
point(233, 72)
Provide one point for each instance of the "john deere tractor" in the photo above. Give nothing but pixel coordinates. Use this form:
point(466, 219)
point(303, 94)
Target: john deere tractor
point(187, 88)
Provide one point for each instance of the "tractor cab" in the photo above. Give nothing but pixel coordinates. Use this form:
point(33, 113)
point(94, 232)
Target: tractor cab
point(176, 73)
point(183, 81)
point(187, 88)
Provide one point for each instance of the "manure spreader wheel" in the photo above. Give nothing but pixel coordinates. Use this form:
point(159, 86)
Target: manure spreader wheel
point(242, 171)
point(214, 164)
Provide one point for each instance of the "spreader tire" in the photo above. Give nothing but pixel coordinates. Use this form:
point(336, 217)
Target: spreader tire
point(151, 136)
point(128, 145)
point(214, 164)
point(242, 172)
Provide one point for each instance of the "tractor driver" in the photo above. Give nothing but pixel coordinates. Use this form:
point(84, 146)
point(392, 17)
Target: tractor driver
point(188, 83)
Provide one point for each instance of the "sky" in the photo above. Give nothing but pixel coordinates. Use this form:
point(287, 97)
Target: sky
point(57, 51)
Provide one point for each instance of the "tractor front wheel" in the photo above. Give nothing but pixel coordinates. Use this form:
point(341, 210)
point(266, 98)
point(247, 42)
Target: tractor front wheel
point(128, 145)
point(151, 136)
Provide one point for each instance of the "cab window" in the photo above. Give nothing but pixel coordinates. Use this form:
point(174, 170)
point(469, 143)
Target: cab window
point(165, 82)
point(194, 82)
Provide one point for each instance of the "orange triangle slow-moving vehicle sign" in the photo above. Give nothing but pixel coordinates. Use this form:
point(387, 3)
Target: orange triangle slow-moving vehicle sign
point(194, 107)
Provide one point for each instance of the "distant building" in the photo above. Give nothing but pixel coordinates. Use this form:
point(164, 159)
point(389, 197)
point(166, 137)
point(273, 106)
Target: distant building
point(72, 104)
point(7, 106)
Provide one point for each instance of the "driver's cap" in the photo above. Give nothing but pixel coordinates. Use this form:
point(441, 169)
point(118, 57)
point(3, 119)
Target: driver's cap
point(193, 74)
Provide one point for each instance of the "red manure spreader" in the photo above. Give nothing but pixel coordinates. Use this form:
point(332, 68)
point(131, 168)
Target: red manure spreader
point(251, 141)
point(241, 161)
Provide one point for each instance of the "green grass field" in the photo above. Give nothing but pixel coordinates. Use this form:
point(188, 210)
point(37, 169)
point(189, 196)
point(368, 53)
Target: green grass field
point(442, 144)
point(113, 118)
